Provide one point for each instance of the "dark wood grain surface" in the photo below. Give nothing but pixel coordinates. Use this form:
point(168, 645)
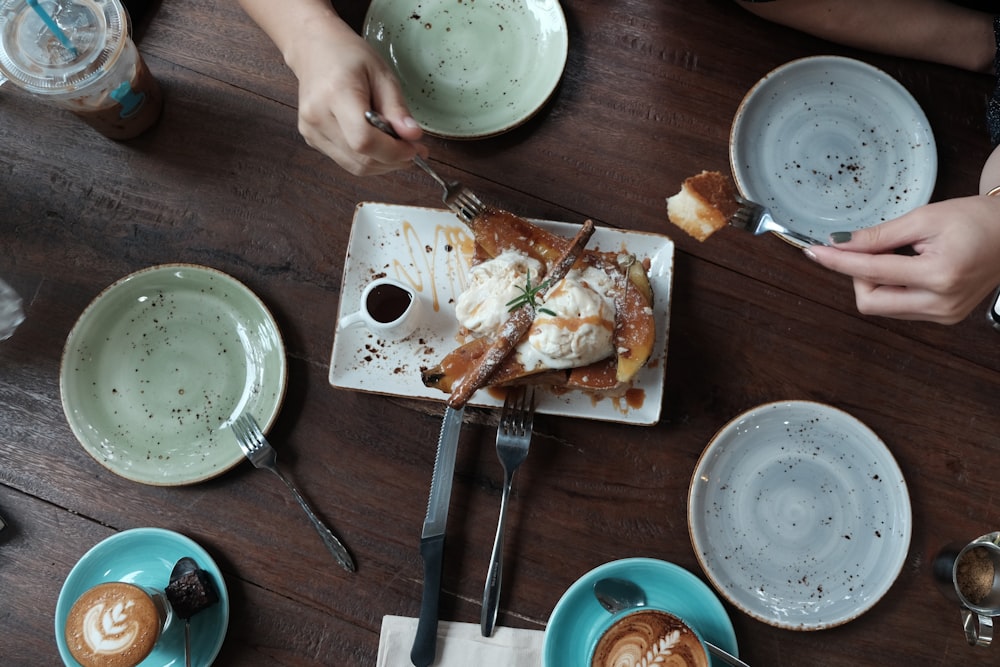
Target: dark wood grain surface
point(225, 181)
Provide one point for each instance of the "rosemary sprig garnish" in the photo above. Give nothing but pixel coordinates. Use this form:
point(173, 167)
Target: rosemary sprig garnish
point(528, 296)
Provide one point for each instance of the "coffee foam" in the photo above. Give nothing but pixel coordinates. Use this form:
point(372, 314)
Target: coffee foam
point(113, 625)
point(649, 637)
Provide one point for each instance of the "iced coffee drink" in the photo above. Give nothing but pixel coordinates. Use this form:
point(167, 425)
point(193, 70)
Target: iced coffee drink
point(81, 59)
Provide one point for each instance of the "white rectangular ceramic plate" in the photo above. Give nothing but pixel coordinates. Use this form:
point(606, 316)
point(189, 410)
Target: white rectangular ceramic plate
point(432, 251)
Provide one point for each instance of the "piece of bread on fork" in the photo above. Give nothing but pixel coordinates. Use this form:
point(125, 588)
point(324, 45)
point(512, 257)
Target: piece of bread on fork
point(705, 204)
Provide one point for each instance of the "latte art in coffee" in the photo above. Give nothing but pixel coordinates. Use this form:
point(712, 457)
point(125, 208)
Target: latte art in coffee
point(108, 628)
point(646, 638)
point(113, 625)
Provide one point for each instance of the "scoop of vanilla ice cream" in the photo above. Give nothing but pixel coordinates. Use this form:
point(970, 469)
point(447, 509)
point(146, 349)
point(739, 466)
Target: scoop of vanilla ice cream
point(482, 308)
point(581, 331)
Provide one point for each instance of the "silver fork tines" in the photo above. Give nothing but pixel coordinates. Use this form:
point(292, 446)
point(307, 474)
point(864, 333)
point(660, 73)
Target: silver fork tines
point(757, 219)
point(460, 199)
point(513, 440)
point(256, 448)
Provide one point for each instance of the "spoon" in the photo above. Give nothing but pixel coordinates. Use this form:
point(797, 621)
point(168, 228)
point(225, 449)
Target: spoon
point(183, 567)
point(190, 591)
point(616, 595)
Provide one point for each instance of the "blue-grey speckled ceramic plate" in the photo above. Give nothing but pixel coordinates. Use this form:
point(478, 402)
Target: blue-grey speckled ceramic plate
point(799, 515)
point(160, 363)
point(832, 144)
point(146, 557)
point(471, 69)
point(579, 620)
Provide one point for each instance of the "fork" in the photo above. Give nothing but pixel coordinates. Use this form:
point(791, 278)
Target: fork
point(756, 218)
point(256, 447)
point(513, 440)
point(460, 199)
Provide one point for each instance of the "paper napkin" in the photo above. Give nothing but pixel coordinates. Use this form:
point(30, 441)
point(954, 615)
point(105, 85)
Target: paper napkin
point(460, 644)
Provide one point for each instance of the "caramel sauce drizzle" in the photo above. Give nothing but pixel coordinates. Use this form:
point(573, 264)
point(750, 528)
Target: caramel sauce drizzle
point(453, 244)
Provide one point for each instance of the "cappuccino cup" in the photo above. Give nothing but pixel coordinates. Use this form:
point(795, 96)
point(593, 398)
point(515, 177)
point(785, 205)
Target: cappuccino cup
point(388, 308)
point(116, 624)
point(642, 632)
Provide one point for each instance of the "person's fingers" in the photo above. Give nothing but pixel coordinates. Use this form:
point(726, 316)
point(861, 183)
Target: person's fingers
point(910, 229)
point(329, 139)
point(346, 136)
point(886, 237)
point(952, 270)
point(888, 300)
point(905, 303)
point(388, 100)
point(882, 269)
point(402, 122)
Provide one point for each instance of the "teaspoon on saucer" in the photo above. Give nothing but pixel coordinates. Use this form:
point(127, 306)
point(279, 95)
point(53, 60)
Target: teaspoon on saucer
point(190, 591)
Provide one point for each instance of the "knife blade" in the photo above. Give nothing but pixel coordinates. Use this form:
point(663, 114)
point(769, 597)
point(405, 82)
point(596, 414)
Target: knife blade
point(432, 537)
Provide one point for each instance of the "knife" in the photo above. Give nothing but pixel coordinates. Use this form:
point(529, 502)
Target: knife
point(432, 537)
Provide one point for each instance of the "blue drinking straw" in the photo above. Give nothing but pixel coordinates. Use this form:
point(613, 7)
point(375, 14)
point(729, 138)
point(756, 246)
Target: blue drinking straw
point(53, 26)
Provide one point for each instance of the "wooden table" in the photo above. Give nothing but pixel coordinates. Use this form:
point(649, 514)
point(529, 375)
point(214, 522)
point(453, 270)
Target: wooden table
point(225, 181)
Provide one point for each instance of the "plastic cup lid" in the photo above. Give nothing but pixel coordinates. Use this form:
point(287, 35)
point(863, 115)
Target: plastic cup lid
point(34, 59)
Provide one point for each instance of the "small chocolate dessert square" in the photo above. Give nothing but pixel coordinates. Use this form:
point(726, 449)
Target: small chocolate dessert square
point(191, 593)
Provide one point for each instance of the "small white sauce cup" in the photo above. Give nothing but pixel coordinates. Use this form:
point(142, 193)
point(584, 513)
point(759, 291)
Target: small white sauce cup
point(389, 309)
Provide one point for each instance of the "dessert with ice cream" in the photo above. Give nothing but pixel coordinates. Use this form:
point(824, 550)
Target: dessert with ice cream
point(544, 309)
point(575, 322)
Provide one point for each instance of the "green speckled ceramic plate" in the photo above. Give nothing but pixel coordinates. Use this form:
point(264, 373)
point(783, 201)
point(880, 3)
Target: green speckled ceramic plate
point(158, 366)
point(471, 68)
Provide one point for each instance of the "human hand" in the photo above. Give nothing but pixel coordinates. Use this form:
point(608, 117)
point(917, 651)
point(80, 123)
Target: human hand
point(340, 77)
point(956, 265)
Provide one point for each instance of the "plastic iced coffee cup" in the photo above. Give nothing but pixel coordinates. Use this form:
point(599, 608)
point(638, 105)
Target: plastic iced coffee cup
point(97, 73)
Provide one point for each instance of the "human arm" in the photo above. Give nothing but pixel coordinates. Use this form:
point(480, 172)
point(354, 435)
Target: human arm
point(956, 265)
point(931, 30)
point(340, 77)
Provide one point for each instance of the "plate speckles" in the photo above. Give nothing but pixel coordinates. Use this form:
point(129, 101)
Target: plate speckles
point(799, 515)
point(158, 365)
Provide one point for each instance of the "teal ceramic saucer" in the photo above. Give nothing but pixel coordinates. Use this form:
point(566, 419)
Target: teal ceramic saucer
point(146, 556)
point(578, 620)
point(160, 363)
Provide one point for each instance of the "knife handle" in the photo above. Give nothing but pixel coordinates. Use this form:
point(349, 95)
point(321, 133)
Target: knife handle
point(425, 643)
